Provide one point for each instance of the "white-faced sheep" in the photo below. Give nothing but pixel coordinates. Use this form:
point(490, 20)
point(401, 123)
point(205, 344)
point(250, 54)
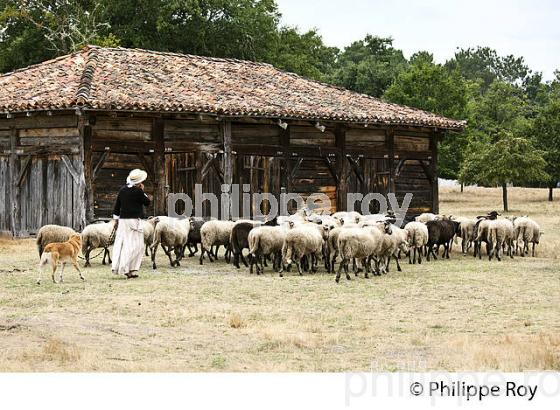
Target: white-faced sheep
point(51, 234)
point(265, 241)
point(97, 235)
point(362, 244)
point(417, 237)
point(215, 233)
point(304, 240)
point(171, 233)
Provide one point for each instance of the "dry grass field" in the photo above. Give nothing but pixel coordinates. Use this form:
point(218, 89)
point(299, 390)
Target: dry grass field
point(458, 315)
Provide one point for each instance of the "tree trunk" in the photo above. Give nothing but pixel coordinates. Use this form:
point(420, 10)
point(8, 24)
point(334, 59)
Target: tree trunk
point(504, 197)
point(462, 187)
point(550, 193)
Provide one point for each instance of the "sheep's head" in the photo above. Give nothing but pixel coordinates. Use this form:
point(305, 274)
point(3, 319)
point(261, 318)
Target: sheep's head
point(387, 227)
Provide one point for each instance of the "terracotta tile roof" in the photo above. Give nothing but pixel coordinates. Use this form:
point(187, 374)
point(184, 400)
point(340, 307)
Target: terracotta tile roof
point(132, 79)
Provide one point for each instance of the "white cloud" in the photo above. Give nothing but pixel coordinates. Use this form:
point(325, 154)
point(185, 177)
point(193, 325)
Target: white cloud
point(521, 27)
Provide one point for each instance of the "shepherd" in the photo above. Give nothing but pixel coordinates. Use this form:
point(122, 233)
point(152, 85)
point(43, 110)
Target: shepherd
point(128, 249)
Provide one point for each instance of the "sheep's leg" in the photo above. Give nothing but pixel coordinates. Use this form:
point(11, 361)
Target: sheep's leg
point(243, 259)
point(447, 247)
point(533, 250)
point(314, 263)
point(419, 257)
point(398, 264)
point(104, 256)
point(146, 250)
point(411, 256)
point(339, 271)
point(201, 258)
point(171, 262)
point(154, 253)
point(366, 268)
point(86, 256)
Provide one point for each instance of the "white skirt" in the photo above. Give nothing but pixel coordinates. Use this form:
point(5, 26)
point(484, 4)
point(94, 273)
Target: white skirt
point(128, 249)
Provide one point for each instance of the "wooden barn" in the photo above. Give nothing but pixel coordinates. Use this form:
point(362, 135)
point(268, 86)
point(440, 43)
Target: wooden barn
point(72, 128)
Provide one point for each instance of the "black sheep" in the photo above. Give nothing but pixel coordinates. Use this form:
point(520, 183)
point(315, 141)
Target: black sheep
point(239, 239)
point(441, 232)
point(194, 235)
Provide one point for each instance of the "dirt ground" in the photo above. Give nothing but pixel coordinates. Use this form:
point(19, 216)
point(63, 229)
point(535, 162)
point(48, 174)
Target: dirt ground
point(460, 314)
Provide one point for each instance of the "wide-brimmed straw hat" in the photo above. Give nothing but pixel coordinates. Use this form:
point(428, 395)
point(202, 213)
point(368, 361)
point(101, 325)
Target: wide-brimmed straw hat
point(136, 176)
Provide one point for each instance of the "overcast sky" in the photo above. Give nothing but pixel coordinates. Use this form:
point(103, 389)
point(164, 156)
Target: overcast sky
point(521, 27)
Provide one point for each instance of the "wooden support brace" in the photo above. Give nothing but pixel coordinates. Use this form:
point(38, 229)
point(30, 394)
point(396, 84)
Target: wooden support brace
point(71, 169)
point(100, 163)
point(23, 170)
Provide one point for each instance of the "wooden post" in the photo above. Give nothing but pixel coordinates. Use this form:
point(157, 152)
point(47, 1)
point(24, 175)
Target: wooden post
point(285, 143)
point(160, 201)
point(433, 166)
point(227, 165)
point(88, 173)
point(343, 168)
point(79, 218)
point(13, 177)
point(390, 136)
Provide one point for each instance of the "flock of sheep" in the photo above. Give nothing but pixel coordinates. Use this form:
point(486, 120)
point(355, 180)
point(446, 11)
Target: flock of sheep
point(368, 242)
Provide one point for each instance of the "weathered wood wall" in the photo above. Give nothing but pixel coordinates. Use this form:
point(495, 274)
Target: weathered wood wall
point(42, 165)
point(64, 167)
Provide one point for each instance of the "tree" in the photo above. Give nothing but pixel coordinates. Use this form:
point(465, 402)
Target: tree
point(432, 87)
point(35, 30)
point(484, 65)
point(304, 54)
point(369, 66)
point(546, 133)
point(506, 159)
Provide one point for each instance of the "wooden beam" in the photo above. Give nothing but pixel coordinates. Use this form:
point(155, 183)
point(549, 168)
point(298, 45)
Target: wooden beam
point(100, 163)
point(88, 172)
point(227, 166)
point(23, 170)
point(399, 167)
point(160, 182)
point(332, 169)
point(295, 169)
point(343, 168)
point(434, 173)
point(357, 170)
point(79, 211)
point(390, 138)
point(147, 166)
point(14, 191)
point(206, 167)
point(68, 162)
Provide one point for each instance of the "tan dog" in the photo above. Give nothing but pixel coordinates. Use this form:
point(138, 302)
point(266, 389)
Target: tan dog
point(63, 252)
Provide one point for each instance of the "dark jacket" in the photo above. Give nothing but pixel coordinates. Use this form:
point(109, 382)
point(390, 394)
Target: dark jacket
point(130, 203)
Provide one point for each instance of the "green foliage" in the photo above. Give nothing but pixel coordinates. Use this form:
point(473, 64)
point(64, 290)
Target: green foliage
point(546, 133)
point(484, 65)
point(502, 107)
point(304, 54)
point(507, 159)
point(369, 66)
point(432, 87)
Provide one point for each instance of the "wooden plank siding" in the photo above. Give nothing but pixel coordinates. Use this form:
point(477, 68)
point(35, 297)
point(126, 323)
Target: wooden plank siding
point(66, 168)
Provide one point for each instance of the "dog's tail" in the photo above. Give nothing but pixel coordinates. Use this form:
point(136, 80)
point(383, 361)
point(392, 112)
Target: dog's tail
point(46, 257)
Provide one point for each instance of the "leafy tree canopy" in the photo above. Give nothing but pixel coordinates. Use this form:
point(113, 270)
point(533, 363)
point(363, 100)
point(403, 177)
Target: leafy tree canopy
point(369, 66)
